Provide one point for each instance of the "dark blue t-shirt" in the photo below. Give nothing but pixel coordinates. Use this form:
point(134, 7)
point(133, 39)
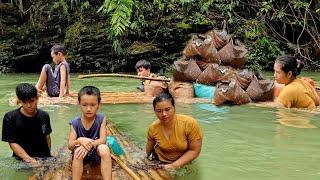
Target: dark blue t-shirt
point(93, 132)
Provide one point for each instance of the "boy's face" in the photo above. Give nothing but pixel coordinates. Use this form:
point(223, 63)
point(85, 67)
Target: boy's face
point(30, 106)
point(89, 105)
point(143, 71)
point(57, 57)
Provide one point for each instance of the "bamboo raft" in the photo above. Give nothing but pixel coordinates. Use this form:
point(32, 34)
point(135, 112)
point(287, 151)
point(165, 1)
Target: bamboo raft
point(130, 166)
point(111, 98)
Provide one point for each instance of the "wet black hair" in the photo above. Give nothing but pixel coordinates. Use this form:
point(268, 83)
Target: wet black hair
point(89, 90)
point(161, 97)
point(26, 92)
point(58, 48)
point(290, 63)
point(143, 63)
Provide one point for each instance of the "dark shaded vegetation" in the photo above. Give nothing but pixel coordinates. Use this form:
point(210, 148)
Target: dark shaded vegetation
point(112, 35)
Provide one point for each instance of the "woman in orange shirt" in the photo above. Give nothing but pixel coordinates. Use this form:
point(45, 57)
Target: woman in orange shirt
point(174, 138)
point(296, 93)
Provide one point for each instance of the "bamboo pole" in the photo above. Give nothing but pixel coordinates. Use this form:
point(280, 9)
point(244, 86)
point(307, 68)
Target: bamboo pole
point(121, 75)
point(125, 167)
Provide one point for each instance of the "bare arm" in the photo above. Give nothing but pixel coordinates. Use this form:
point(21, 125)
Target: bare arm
point(68, 85)
point(192, 153)
point(63, 84)
point(72, 142)
point(150, 147)
point(103, 134)
point(21, 153)
point(318, 100)
point(48, 138)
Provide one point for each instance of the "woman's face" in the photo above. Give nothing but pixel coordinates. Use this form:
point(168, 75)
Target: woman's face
point(280, 76)
point(165, 111)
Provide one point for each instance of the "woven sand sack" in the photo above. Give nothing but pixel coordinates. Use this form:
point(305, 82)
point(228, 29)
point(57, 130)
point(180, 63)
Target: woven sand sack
point(219, 38)
point(231, 92)
point(185, 70)
point(227, 74)
point(261, 90)
point(210, 75)
point(202, 46)
point(202, 64)
point(244, 78)
point(152, 90)
point(181, 89)
point(233, 55)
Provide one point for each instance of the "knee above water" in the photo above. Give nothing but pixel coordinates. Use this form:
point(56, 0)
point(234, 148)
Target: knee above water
point(104, 151)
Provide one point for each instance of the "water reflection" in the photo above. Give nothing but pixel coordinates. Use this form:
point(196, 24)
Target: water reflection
point(295, 118)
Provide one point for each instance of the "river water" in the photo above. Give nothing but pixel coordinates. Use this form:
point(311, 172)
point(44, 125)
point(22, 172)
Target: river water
point(240, 142)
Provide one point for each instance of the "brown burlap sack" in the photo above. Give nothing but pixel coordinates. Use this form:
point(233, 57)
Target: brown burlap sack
point(244, 78)
point(210, 75)
point(260, 90)
point(181, 89)
point(219, 38)
point(231, 92)
point(202, 64)
point(233, 55)
point(185, 70)
point(201, 46)
point(151, 90)
point(228, 74)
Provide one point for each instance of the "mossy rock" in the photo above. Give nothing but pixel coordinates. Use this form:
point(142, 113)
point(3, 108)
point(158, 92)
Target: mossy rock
point(138, 47)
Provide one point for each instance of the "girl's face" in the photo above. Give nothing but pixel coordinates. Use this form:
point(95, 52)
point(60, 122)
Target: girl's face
point(165, 111)
point(89, 105)
point(280, 76)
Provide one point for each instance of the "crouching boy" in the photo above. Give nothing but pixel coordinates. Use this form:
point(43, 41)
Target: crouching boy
point(87, 137)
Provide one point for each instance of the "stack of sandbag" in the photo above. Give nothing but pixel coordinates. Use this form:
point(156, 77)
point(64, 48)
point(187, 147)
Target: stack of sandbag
point(215, 59)
point(243, 87)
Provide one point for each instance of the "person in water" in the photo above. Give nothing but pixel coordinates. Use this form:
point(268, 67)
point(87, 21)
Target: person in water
point(175, 139)
point(88, 133)
point(296, 93)
point(58, 81)
point(143, 69)
point(27, 129)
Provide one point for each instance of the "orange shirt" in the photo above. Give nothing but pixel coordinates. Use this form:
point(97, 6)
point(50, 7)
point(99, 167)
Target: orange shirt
point(169, 149)
point(298, 94)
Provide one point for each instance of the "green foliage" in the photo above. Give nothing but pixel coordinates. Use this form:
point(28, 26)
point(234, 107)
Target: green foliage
point(120, 12)
point(253, 29)
point(73, 32)
point(262, 54)
point(61, 5)
point(6, 53)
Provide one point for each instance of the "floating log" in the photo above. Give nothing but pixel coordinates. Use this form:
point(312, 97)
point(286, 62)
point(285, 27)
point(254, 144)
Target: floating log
point(122, 75)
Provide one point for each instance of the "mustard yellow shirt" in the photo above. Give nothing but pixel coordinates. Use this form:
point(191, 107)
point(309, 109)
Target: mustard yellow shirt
point(169, 149)
point(298, 94)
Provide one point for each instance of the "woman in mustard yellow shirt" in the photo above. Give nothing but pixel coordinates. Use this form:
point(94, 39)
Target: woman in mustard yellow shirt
point(296, 93)
point(176, 139)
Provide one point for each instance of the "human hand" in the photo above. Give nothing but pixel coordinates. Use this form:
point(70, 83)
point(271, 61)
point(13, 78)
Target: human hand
point(33, 162)
point(169, 166)
point(80, 152)
point(86, 143)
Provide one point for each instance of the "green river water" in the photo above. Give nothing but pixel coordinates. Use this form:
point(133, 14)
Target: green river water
point(240, 142)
